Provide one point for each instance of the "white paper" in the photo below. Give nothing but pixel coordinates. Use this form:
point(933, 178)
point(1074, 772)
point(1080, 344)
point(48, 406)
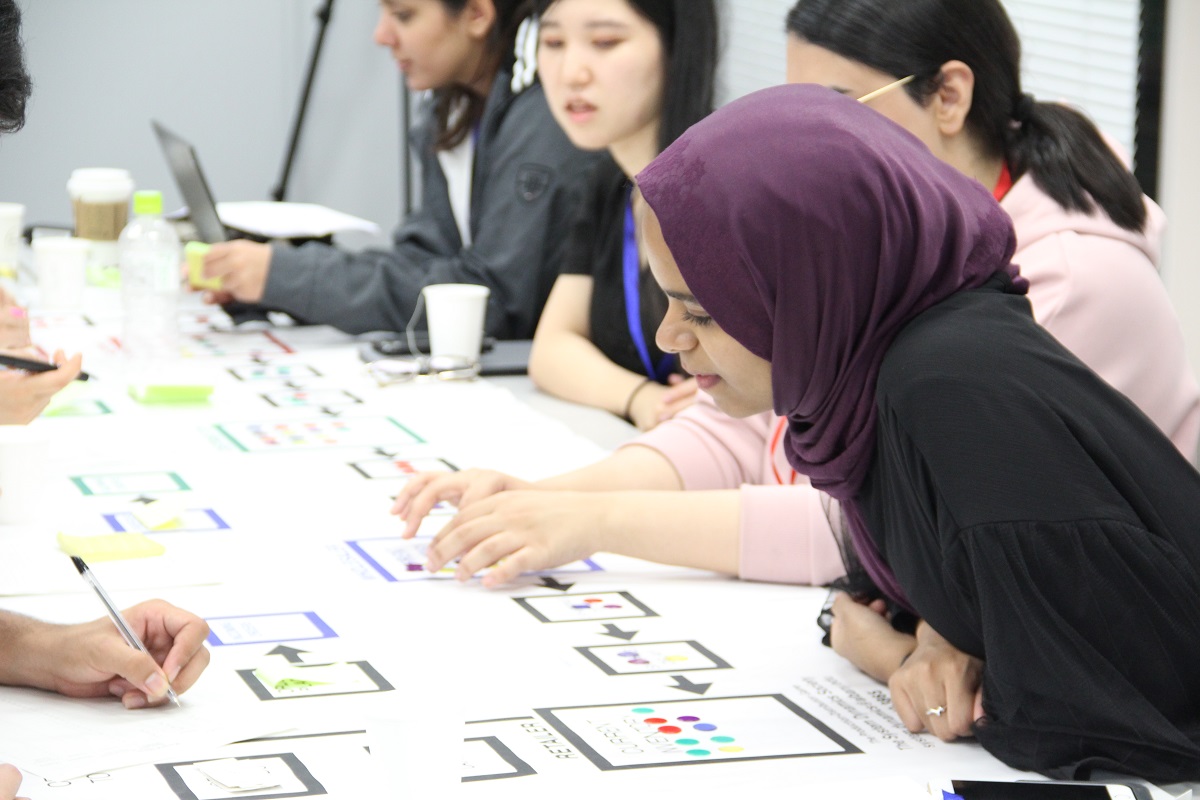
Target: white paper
point(290, 220)
point(60, 738)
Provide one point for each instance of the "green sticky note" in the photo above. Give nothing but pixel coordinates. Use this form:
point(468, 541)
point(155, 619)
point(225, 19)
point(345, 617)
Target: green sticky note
point(110, 547)
point(170, 393)
point(194, 253)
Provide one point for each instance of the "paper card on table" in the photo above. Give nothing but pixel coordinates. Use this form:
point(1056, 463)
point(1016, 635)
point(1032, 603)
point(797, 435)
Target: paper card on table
point(292, 678)
point(235, 775)
point(160, 515)
point(110, 547)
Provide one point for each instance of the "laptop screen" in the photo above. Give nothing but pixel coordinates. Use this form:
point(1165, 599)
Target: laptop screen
point(181, 157)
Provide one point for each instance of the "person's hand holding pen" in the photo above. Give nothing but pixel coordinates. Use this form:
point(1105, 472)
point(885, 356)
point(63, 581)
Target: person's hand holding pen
point(24, 395)
point(92, 659)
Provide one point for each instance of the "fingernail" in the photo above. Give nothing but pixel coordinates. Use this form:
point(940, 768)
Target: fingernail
point(174, 673)
point(156, 686)
point(134, 700)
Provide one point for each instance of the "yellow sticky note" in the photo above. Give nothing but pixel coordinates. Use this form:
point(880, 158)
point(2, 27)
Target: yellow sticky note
point(194, 252)
point(110, 546)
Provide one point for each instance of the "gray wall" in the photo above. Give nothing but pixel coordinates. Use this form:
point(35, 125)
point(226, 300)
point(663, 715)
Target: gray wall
point(225, 74)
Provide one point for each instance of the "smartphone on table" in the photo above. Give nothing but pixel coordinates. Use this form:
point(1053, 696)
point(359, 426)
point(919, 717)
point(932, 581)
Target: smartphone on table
point(1042, 790)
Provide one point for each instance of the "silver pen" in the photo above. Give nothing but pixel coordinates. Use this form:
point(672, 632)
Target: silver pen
point(114, 614)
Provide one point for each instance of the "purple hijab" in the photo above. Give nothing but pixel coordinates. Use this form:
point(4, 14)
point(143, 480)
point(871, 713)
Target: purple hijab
point(812, 229)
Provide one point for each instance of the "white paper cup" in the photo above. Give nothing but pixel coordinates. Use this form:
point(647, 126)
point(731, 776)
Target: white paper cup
point(61, 264)
point(24, 474)
point(456, 313)
point(12, 217)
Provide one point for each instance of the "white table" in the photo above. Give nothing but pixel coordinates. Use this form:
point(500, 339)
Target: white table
point(603, 677)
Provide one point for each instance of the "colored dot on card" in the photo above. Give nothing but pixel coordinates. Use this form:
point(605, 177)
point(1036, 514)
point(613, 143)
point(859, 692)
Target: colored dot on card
point(686, 742)
point(612, 605)
point(722, 739)
point(581, 605)
point(688, 719)
point(654, 721)
point(638, 661)
point(593, 600)
point(705, 726)
point(676, 658)
point(670, 729)
point(628, 654)
point(733, 748)
point(699, 753)
point(643, 710)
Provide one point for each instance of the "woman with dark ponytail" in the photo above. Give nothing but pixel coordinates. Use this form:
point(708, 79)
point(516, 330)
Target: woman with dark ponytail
point(1087, 239)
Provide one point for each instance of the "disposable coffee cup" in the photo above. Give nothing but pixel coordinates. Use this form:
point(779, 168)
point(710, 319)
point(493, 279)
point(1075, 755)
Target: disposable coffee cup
point(61, 264)
point(456, 314)
point(12, 217)
point(24, 474)
point(100, 199)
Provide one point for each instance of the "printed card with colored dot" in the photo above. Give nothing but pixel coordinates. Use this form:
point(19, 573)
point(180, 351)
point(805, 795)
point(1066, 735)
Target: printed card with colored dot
point(585, 607)
point(636, 659)
point(273, 372)
point(311, 398)
point(383, 468)
point(184, 520)
point(695, 731)
point(130, 483)
point(304, 434)
point(288, 626)
point(395, 560)
point(253, 344)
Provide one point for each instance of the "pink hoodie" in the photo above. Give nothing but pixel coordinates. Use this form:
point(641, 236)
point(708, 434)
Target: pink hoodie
point(1092, 284)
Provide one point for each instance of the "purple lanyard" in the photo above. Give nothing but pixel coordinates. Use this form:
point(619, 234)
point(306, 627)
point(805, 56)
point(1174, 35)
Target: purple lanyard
point(633, 299)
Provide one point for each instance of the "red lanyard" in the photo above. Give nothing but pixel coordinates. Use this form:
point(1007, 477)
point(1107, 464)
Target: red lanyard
point(1003, 183)
point(780, 427)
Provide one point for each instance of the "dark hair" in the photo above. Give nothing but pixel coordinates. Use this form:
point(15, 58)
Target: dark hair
point(15, 84)
point(1060, 147)
point(454, 126)
point(688, 29)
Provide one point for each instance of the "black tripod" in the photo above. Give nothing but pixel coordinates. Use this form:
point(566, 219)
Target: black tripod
point(323, 16)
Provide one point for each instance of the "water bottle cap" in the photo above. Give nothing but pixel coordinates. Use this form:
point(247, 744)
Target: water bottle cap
point(147, 201)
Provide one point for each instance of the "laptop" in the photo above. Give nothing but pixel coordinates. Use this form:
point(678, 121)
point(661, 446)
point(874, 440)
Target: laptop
point(185, 167)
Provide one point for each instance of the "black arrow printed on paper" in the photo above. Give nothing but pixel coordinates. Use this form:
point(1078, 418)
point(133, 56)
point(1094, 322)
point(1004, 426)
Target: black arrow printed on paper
point(382, 452)
point(143, 499)
point(330, 411)
point(551, 583)
point(685, 685)
point(614, 631)
point(292, 654)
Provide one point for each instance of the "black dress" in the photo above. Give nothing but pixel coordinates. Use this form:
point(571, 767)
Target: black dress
point(597, 248)
point(1039, 521)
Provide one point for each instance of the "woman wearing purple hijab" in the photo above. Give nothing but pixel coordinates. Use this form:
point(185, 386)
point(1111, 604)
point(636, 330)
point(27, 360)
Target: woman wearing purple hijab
point(820, 262)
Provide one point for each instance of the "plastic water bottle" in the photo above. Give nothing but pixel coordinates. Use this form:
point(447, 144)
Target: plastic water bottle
point(150, 282)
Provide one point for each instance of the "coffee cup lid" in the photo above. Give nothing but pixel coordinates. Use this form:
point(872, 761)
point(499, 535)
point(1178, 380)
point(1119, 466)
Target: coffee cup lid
point(100, 185)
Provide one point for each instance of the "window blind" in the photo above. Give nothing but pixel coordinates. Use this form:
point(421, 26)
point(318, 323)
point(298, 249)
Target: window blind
point(1082, 52)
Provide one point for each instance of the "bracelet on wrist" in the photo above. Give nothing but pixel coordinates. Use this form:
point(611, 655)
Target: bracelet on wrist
point(629, 403)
